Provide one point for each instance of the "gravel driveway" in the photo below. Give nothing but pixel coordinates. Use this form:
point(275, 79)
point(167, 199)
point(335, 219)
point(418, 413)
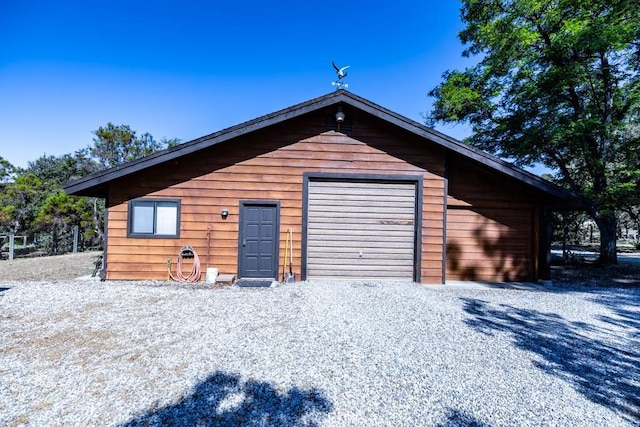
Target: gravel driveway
point(334, 354)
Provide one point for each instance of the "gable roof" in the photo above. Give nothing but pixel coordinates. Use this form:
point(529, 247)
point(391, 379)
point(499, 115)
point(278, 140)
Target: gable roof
point(97, 183)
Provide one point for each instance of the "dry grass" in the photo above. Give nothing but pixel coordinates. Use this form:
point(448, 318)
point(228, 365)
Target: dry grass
point(61, 267)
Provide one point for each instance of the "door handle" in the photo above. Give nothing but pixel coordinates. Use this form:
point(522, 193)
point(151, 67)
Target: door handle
point(244, 242)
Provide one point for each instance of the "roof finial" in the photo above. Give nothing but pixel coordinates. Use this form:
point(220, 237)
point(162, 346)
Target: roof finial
point(342, 73)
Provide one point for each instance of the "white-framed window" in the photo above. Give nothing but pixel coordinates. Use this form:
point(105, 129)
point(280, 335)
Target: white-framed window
point(154, 218)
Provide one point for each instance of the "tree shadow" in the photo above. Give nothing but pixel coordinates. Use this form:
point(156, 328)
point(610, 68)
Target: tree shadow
point(585, 274)
point(492, 222)
point(455, 263)
point(458, 418)
point(598, 362)
point(496, 245)
point(224, 399)
point(624, 308)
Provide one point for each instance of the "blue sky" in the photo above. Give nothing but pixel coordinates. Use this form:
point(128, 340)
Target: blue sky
point(186, 69)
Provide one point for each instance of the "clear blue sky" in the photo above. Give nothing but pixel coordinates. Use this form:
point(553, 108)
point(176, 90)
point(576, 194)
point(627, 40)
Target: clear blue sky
point(186, 69)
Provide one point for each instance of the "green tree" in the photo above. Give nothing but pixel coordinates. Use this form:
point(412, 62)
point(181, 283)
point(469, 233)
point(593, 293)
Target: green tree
point(115, 145)
point(16, 208)
point(58, 214)
point(57, 171)
point(88, 214)
point(7, 170)
point(7, 173)
point(557, 83)
point(32, 200)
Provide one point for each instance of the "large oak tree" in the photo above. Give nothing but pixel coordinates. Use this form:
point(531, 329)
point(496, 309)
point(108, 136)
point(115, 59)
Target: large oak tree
point(557, 83)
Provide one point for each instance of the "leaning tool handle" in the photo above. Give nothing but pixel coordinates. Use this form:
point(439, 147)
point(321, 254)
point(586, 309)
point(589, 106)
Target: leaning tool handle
point(284, 261)
point(291, 252)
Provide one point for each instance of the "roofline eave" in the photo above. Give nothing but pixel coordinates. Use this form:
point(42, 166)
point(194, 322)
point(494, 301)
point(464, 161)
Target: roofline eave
point(101, 179)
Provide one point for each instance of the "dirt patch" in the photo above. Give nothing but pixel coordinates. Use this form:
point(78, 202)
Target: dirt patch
point(626, 274)
point(61, 267)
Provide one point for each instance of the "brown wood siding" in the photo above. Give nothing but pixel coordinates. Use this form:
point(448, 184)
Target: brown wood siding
point(489, 244)
point(361, 230)
point(267, 165)
point(491, 227)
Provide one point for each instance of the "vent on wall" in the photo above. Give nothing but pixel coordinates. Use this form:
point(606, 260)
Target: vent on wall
point(330, 123)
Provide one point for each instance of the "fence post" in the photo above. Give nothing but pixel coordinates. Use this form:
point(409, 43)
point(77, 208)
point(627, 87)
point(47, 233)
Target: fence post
point(12, 237)
point(75, 238)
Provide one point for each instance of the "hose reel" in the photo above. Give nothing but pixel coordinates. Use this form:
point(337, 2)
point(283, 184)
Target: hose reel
point(187, 252)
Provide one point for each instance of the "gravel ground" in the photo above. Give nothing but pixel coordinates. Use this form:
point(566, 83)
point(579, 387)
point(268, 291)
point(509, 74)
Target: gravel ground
point(317, 353)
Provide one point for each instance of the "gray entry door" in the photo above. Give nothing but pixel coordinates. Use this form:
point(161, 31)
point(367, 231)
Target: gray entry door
point(258, 240)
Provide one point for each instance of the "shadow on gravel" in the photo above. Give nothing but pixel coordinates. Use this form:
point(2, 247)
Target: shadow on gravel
point(605, 369)
point(623, 315)
point(224, 399)
point(458, 418)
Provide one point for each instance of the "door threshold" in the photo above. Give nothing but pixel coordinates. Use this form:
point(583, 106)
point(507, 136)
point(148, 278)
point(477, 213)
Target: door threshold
point(255, 283)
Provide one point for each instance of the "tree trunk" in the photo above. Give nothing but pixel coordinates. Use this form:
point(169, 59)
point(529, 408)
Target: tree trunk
point(608, 238)
point(54, 240)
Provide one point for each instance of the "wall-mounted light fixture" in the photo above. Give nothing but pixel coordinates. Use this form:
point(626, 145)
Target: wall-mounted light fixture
point(339, 117)
point(224, 213)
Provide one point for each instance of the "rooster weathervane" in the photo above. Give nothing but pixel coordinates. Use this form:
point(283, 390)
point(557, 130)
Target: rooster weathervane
point(342, 73)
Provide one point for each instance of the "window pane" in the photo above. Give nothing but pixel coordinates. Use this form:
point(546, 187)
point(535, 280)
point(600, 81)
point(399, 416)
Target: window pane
point(142, 218)
point(167, 218)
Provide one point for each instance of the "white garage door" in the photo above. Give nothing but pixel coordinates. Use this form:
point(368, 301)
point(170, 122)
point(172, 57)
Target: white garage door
point(361, 230)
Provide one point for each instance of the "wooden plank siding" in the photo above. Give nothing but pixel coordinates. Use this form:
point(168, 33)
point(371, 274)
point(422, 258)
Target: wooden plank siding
point(489, 244)
point(491, 227)
point(268, 165)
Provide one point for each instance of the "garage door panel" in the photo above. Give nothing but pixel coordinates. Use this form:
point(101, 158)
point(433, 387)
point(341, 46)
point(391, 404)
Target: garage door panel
point(357, 186)
point(361, 229)
point(347, 241)
point(353, 260)
point(369, 230)
point(348, 194)
point(330, 271)
point(359, 275)
point(369, 209)
point(372, 252)
point(362, 218)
